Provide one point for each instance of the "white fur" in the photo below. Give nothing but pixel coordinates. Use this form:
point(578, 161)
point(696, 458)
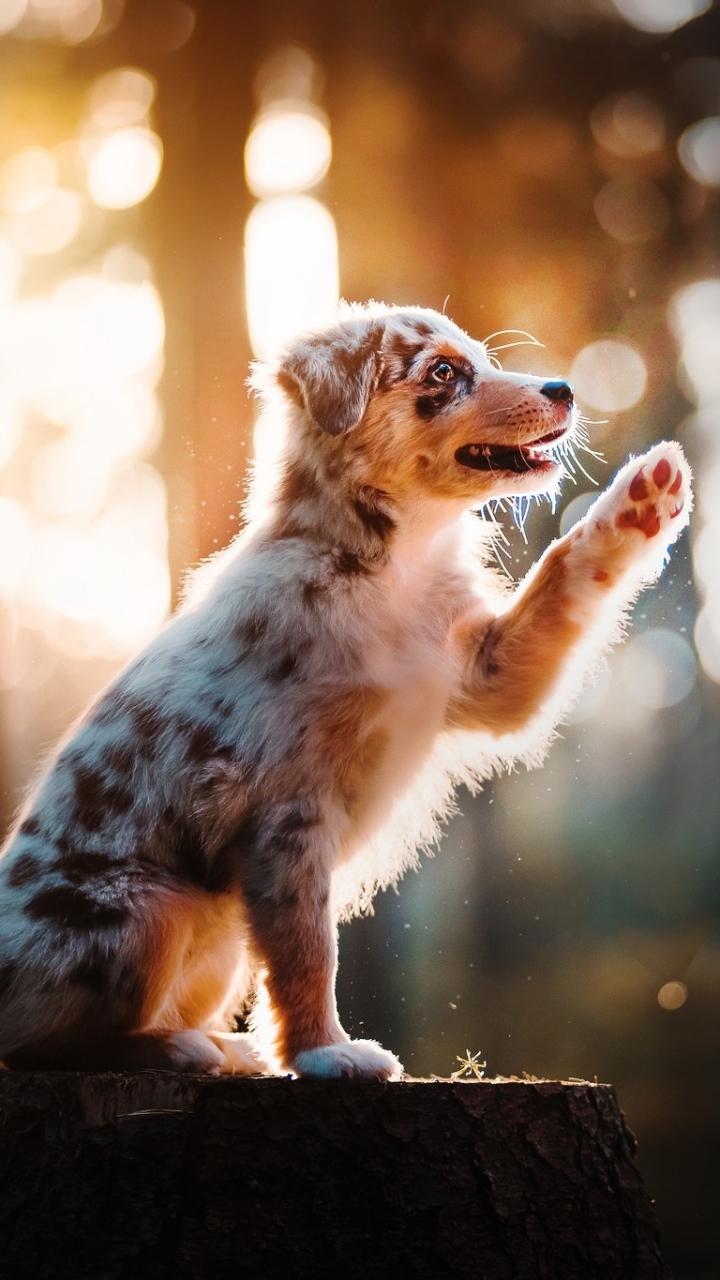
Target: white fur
point(357, 1059)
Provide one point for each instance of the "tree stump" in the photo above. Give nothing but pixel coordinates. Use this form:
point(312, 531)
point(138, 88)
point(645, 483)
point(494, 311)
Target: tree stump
point(154, 1175)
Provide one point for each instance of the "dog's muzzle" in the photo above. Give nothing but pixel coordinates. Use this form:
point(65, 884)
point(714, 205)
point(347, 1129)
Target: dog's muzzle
point(498, 457)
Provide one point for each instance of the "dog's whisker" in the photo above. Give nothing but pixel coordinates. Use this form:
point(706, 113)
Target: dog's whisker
point(496, 531)
point(577, 463)
point(521, 509)
point(587, 474)
point(592, 422)
point(581, 442)
point(599, 457)
point(526, 339)
point(581, 438)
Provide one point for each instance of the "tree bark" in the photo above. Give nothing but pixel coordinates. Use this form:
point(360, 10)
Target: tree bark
point(158, 1175)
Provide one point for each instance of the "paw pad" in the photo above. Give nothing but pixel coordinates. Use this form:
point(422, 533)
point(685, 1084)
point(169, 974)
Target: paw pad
point(652, 492)
point(646, 519)
point(638, 488)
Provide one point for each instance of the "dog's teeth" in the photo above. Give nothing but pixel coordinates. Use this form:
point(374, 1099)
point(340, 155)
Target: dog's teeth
point(473, 449)
point(486, 450)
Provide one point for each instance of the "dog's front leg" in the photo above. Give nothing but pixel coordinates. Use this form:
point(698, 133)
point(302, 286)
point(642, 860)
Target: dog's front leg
point(515, 664)
point(286, 886)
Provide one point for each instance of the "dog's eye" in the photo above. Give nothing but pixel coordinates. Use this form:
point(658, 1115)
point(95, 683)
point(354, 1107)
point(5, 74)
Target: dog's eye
point(443, 371)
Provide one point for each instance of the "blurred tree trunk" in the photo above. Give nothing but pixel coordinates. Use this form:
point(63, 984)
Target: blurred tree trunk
point(159, 1175)
point(204, 110)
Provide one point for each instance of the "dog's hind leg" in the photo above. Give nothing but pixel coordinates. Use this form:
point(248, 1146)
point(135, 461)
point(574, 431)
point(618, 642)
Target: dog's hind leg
point(146, 993)
point(189, 1051)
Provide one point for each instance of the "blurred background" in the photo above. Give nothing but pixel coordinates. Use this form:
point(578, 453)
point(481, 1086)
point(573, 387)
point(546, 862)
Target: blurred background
point(181, 187)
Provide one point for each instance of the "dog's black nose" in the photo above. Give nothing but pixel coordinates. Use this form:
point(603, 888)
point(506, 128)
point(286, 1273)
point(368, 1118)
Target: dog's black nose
point(557, 390)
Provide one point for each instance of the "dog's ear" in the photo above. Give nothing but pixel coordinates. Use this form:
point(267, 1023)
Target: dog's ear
point(334, 374)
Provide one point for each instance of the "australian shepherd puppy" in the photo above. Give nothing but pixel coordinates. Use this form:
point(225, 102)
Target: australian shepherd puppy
point(288, 741)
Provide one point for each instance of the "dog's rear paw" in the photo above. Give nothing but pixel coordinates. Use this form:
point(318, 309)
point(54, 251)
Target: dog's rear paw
point(653, 494)
point(192, 1051)
point(356, 1059)
point(242, 1055)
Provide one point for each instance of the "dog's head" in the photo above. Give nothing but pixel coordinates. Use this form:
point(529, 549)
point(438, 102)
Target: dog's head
point(404, 401)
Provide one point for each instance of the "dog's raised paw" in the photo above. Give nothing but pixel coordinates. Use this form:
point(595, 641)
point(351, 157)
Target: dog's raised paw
point(653, 494)
point(354, 1059)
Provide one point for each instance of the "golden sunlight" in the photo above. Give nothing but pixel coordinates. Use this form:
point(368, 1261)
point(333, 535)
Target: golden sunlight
point(124, 167)
point(289, 149)
point(291, 268)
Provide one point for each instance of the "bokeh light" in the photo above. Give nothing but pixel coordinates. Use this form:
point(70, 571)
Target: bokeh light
point(672, 995)
point(609, 375)
point(71, 21)
point(27, 179)
point(592, 700)
point(88, 358)
point(631, 211)
point(694, 315)
point(106, 577)
point(124, 168)
point(660, 15)
point(49, 227)
point(11, 13)
point(69, 478)
point(628, 124)
point(15, 538)
point(657, 668)
point(10, 269)
point(287, 150)
point(291, 256)
point(575, 510)
point(121, 98)
point(88, 566)
point(707, 637)
point(87, 335)
point(290, 74)
point(291, 269)
point(699, 151)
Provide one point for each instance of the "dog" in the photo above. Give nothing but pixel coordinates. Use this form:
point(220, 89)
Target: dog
point(289, 741)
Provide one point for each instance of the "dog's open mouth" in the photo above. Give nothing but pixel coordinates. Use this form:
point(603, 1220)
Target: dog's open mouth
point(500, 457)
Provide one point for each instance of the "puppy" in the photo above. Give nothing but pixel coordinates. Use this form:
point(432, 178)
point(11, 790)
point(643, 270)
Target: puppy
point(289, 740)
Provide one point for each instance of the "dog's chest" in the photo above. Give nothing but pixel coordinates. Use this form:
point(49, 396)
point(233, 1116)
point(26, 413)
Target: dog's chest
point(409, 664)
